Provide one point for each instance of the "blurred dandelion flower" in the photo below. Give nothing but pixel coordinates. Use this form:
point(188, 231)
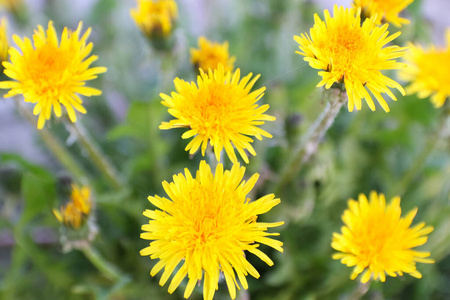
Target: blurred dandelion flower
point(384, 10)
point(76, 211)
point(220, 110)
point(155, 17)
point(52, 73)
point(428, 72)
point(210, 55)
point(353, 54)
point(207, 224)
point(377, 239)
point(4, 45)
point(11, 5)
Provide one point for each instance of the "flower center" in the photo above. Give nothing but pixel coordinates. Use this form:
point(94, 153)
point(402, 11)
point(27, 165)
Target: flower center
point(436, 78)
point(345, 47)
point(214, 108)
point(48, 70)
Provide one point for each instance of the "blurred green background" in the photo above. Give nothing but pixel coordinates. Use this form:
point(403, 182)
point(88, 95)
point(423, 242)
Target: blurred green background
point(400, 153)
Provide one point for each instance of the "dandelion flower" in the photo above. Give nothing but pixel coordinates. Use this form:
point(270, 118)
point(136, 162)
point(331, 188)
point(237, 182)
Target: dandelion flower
point(207, 225)
point(384, 10)
point(155, 18)
point(352, 54)
point(377, 239)
point(220, 110)
point(428, 72)
point(11, 5)
point(76, 211)
point(52, 74)
point(4, 45)
point(210, 55)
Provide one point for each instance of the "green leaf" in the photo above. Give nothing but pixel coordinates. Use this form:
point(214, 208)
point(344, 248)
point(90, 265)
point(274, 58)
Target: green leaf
point(38, 190)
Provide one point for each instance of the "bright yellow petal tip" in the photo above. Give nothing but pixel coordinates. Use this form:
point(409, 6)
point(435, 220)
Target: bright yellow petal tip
point(384, 10)
point(377, 240)
point(210, 55)
point(77, 210)
point(219, 110)
point(155, 18)
point(353, 54)
point(207, 227)
point(4, 45)
point(428, 72)
point(52, 73)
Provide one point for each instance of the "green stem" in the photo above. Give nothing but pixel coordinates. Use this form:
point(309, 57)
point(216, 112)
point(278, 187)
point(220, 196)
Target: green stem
point(54, 145)
point(414, 171)
point(308, 145)
point(96, 155)
point(360, 291)
point(106, 268)
point(211, 159)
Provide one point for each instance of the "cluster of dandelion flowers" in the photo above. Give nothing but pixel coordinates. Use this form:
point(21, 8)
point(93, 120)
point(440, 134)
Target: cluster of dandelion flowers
point(52, 73)
point(220, 110)
point(428, 72)
point(377, 239)
point(385, 10)
point(352, 54)
point(155, 17)
point(77, 210)
point(210, 54)
point(206, 225)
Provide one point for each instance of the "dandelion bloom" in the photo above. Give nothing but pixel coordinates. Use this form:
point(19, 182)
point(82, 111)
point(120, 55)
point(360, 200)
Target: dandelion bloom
point(428, 72)
point(384, 10)
point(377, 239)
point(52, 74)
point(353, 54)
point(210, 55)
point(206, 225)
point(76, 211)
point(12, 5)
point(155, 18)
point(220, 110)
point(4, 45)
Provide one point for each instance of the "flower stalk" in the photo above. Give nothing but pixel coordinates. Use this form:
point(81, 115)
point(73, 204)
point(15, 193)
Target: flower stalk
point(54, 145)
point(96, 155)
point(360, 290)
point(308, 145)
point(106, 268)
point(443, 130)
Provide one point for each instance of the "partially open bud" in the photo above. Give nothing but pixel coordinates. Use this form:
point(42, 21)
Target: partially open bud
point(79, 226)
point(156, 19)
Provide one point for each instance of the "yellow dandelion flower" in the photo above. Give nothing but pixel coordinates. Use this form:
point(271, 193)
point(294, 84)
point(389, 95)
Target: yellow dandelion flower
point(52, 74)
point(76, 211)
point(352, 54)
point(384, 10)
point(377, 239)
point(206, 225)
point(155, 18)
point(220, 110)
point(428, 72)
point(11, 5)
point(4, 45)
point(210, 55)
